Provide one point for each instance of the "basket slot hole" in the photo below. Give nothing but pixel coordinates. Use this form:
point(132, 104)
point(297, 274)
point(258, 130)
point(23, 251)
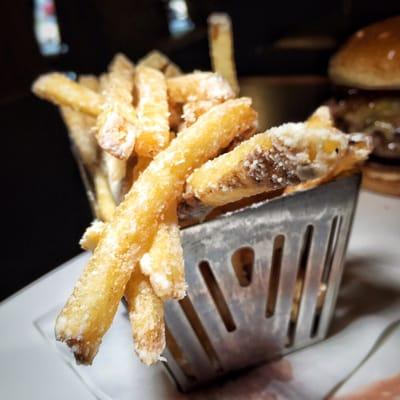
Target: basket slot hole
point(299, 287)
point(197, 326)
point(243, 265)
point(330, 253)
point(178, 355)
point(217, 296)
point(329, 256)
point(276, 263)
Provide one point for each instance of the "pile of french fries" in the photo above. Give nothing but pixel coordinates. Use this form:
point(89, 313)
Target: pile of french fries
point(152, 138)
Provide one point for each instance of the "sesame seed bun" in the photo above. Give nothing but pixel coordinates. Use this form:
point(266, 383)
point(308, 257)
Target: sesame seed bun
point(371, 58)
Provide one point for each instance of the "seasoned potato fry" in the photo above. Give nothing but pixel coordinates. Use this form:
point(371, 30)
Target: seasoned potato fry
point(221, 47)
point(62, 91)
point(192, 110)
point(105, 203)
point(357, 151)
point(117, 124)
point(90, 309)
point(175, 116)
point(279, 157)
point(146, 314)
point(80, 127)
point(92, 235)
point(141, 164)
point(172, 70)
point(144, 307)
point(115, 171)
point(90, 81)
point(114, 167)
point(199, 86)
point(320, 118)
point(360, 146)
point(157, 60)
point(163, 263)
point(82, 136)
point(152, 110)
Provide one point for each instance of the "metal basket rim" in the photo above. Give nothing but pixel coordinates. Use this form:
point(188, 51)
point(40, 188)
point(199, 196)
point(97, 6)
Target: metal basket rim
point(356, 175)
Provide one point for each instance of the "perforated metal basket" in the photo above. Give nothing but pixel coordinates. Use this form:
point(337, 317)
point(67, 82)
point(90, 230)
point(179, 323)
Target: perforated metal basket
point(256, 282)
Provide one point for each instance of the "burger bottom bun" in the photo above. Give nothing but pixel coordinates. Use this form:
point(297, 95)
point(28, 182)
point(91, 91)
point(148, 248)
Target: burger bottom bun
point(381, 178)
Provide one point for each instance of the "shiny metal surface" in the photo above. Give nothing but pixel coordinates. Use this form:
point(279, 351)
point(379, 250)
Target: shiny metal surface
point(255, 336)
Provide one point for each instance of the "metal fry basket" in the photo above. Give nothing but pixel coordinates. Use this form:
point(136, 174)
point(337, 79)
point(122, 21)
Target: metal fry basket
point(263, 282)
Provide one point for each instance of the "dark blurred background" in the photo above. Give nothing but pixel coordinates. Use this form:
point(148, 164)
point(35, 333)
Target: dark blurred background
point(45, 209)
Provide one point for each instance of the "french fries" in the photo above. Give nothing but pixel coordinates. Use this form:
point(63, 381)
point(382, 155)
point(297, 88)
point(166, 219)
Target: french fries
point(157, 60)
point(117, 124)
point(146, 136)
point(221, 48)
point(115, 170)
point(163, 263)
point(90, 309)
point(146, 314)
point(92, 235)
point(105, 203)
point(152, 109)
point(277, 158)
point(79, 128)
point(141, 164)
point(62, 91)
point(199, 86)
point(144, 307)
point(360, 146)
point(90, 81)
point(193, 110)
point(172, 70)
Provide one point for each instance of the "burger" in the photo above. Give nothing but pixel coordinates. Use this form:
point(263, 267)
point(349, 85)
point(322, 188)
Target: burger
point(366, 74)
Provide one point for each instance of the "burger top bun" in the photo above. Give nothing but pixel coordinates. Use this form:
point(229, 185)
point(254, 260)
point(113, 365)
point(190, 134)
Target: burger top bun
point(371, 58)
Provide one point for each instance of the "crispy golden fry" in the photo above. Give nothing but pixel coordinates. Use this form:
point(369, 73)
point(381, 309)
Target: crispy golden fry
point(144, 307)
point(92, 235)
point(117, 124)
point(221, 47)
point(163, 263)
point(115, 171)
point(357, 151)
point(90, 81)
point(62, 91)
point(279, 157)
point(90, 309)
point(172, 70)
point(152, 109)
point(154, 59)
point(360, 146)
point(80, 127)
point(146, 314)
point(105, 203)
point(134, 168)
point(80, 131)
point(141, 164)
point(199, 86)
point(192, 110)
point(175, 116)
point(320, 118)
point(157, 60)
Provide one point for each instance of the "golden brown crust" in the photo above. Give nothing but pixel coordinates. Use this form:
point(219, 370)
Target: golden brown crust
point(381, 179)
point(371, 57)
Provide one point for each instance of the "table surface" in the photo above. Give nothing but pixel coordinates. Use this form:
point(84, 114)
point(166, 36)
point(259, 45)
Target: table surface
point(31, 369)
